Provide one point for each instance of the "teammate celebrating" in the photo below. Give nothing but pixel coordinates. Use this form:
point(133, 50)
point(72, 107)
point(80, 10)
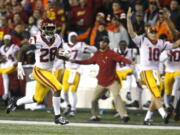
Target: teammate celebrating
point(73, 71)
point(171, 59)
point(46, 47)
point(125, 71)
point(150, 48)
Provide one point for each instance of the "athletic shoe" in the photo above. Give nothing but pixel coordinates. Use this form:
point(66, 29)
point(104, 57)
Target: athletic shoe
point(72, 113)
point(67, 110)
point(11, 106)
point(166, 118)
point(94, 118)
point(126, 119)
point(148, 122)
point(133, 104)
point(146, 105)
point(61, 120)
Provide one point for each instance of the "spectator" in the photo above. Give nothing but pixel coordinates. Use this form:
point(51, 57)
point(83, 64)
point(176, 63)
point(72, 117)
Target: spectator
point(4, 29)
point(116, 33)
point(82, 15)
point(56, 14)
point(151, 14)
point(138, 23)
point(162, 26)
point(32, 28)
point(118, 12)
point(101, 32)
point(20, 37)
point(92, 31)
point(175, 13)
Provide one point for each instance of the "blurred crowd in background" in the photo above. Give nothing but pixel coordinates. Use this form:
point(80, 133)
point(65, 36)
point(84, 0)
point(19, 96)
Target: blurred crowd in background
point(90, 19)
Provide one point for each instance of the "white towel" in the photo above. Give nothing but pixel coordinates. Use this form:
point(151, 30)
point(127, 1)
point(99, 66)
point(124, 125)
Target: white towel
point(72, 76)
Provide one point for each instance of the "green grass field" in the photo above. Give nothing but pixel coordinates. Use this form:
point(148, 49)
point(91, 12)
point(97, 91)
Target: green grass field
point(81, 117)
point(14, 129)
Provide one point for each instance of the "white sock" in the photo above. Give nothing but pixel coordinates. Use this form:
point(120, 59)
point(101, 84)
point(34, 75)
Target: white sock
point(162, 112)
point(129, 80)
point(74, 100)
point(148, 115)
point(5, 83)
point(66, 98)
point(166, 100)
point(24, 100)
point(138, 94)
point(176, 86)
point(56, 105)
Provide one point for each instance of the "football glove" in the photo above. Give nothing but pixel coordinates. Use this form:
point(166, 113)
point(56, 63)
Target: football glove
point(20, 71)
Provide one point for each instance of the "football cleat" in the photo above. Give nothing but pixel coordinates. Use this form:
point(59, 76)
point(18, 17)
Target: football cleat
point(128, 96)
point(126, 119)
point(11, 106)
point(72, 113)
point(67, 110)
point(167, 117)
point(94, 118)
point(148, 122)
point(146, 105)
point(133, 104)
point(61, 120)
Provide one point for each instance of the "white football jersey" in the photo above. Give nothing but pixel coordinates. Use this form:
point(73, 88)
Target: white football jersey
point(9, 54)
point(150, 52)
point(76, 52)
point(172, 64)
point(45, 54)
point(129, 53)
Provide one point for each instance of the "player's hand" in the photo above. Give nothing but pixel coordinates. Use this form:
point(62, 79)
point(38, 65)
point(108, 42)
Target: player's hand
point(73, 61)
point(129, 13)
point(20, 71)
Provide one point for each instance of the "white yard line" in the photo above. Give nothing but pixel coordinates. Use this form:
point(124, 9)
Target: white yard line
point(90, 125)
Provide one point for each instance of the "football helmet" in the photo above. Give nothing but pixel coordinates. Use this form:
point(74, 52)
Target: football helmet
point(48, 28)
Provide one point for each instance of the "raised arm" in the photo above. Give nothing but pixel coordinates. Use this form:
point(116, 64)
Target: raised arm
point(129, 24)
point(176, 44)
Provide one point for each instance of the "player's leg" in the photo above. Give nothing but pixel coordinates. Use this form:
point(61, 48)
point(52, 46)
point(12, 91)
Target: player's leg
point(154, 84)
point(6, 86)
point(66, 87)
point(50, 81)
point(168, 84)
point(74, 88)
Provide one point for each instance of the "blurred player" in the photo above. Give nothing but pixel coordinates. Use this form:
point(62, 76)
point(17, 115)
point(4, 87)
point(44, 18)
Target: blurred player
point(8, 62)
point(73, 71)
point(171, 59)
point(46, 47)
point(125, 71)
point(150, 48)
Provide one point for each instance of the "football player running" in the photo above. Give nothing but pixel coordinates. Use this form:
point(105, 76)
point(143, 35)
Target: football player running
point(73, 71)
point(150, 48)
point(8, 62)
point(46, 47)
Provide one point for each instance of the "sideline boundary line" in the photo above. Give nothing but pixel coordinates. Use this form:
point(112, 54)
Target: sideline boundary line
point(90, 125)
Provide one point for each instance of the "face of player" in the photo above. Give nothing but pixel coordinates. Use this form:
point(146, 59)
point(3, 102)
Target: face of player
point(103, 45)
point(122, 46)
point(73, 39)
point(7, 42)
point(152, 35)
